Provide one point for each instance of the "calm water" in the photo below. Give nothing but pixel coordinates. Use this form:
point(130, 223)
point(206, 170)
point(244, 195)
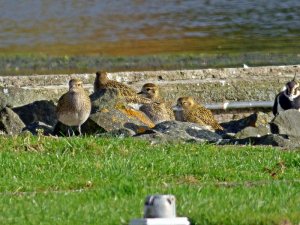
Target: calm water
point(134, 27)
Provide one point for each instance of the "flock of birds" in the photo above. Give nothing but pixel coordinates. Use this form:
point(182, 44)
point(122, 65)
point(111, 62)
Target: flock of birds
point(74, 107)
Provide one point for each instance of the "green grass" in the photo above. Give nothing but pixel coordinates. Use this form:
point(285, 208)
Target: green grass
point(12, 64)
point(94, 180)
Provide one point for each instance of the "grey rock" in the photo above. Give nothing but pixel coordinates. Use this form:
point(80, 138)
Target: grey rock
point(38, 111)
point(262, 119)
point(276, 140)
point(108, 112)
point(173, 131)
point(3, 101)
point(17, 96)
point(287, 123)
point(120, 133)
point(10, 122)
point(254, 120)
point(253, 132)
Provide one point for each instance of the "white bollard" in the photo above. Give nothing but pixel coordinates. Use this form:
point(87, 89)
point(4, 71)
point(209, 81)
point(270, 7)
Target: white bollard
point(161, 221)
point(160, 210)
point(160, 206)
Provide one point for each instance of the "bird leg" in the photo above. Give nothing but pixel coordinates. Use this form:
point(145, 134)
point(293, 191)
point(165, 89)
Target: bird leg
point(69, 132)
point(79, 129)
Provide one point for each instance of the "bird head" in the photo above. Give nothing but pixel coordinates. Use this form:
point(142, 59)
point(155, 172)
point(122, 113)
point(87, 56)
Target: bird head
point(292, 89)
point(75, 84)
point(149, 90)
point(184, 103)
point(101, 77)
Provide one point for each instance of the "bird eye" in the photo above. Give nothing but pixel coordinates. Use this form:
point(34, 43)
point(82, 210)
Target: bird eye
point(148, 89)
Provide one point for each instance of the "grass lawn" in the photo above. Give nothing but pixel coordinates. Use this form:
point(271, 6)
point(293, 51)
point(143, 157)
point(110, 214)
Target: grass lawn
point(93, 180)
point(14, 64)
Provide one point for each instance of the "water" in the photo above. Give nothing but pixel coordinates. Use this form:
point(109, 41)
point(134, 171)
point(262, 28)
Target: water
point(137, 27)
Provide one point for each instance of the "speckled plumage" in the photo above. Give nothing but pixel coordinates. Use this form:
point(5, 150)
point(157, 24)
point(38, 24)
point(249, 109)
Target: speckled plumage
point(190, 111)
point(74, 107)
point(129, 94)
point(158, 110)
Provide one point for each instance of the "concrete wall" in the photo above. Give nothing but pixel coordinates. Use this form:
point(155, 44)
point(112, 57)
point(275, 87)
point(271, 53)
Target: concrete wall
point(206, 85)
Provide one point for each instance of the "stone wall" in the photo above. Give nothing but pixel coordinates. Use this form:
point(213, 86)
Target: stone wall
point(206, 85)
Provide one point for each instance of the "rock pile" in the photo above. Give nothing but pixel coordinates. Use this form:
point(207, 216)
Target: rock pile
point(112, 115)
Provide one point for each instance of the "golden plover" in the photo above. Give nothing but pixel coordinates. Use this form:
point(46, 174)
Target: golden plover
point(128, 93)
point(158, 110)
point(74, 107)
point(191, 111)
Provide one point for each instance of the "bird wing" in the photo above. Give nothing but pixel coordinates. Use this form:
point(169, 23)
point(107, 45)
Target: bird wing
point(194, 118)
point(169, 107)
point(207, 117)
point(275, 105)
point(123, 88)
point(60, 102)
point(137, 99)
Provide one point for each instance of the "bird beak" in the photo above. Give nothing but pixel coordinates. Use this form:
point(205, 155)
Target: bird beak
point(142, 94)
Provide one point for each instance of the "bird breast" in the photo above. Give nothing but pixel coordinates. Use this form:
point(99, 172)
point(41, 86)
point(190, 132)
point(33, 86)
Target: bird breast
point(74, 108)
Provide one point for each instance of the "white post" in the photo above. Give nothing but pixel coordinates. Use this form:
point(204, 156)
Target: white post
point(160, 210)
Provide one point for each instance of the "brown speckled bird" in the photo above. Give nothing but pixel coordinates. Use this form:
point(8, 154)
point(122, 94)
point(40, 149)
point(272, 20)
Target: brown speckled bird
point(74, 107)
point(128, 93)
point(159, 110)
point(190, 111)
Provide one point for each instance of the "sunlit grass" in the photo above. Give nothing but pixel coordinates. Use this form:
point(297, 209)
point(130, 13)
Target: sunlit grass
point(13, 64)
point(94, 180)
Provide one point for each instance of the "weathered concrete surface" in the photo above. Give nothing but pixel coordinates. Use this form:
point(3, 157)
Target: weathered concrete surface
point(206, 85)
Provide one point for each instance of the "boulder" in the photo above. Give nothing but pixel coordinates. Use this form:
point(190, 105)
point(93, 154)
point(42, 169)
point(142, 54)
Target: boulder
point(261, 119)
point(254, 120)
point(174, 131)
point(253, 132)
point(270, 140)
point(39, 111)
point(287, 123)
point(111, 112)
point(3, 101)
point(10, 122)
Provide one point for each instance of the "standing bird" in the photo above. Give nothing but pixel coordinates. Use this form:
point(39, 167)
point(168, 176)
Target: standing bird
point(103, 82)
point(158, 110)
point(74, 107)
point(190, 111)
point(289, 98)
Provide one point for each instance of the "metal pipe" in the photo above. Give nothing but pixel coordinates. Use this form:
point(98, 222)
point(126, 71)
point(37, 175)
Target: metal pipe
point(240, 105)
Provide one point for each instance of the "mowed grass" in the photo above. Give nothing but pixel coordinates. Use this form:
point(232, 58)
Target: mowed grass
point(93, 180)
point(21, 63)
